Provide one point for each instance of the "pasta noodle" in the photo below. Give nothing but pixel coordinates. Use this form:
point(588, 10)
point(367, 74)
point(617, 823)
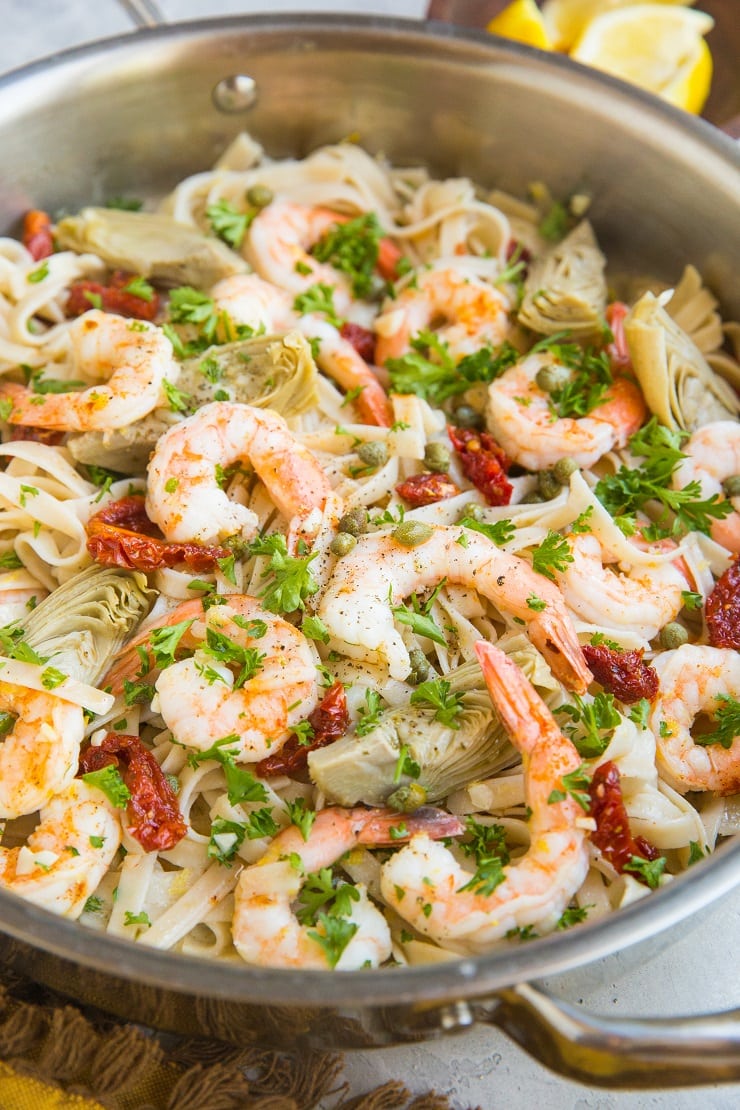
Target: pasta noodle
point(411, 680)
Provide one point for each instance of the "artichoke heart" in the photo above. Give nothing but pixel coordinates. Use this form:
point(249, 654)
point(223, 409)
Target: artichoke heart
point(84, 622)
point(266, 371)
point(566, 287)
point(694, 309)
point(679, 385)
point(365, 768)
point(149, 244)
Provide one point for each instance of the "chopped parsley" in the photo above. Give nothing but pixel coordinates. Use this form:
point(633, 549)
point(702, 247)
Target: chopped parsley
point(318, 298)
point(419, 618)
point(241, 784)
point(487, 845)
point(649, 870)
point(333, 934)
point(628, 491)
point(430, 370)
point(227, 838)
point(141, 288)
point(322, 893)
point(500, 532)
point(727, 718)
point(595, 722)
point(228, 223)
point(301, 816)
point(369, 713)
point(575, 784)
point(142, 918)
point(406, 765)
point(352, 247)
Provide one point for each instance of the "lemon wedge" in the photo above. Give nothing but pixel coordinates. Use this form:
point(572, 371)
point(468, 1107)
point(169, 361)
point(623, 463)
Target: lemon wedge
point(656, 46)
point(522, 21)
point(566, 20)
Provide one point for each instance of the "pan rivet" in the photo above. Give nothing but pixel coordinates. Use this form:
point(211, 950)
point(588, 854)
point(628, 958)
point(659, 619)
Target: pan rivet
point(235, 93)
point(457, 1015)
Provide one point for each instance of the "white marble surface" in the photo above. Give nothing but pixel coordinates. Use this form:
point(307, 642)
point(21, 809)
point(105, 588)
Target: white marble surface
point(696, 973)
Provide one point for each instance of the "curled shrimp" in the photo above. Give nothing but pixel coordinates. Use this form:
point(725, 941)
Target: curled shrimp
point(265, 928)
point(68, 852)
point(712, 456)
point(135, 361)
point(278, 244)
point(426, 885)
point(466, 312)
point(39, 756)
point(695, 680)
point(274, 683)
point(249, 299)
point(642, 599)
point(183, 493)
point(520, 418)
point(357, 607)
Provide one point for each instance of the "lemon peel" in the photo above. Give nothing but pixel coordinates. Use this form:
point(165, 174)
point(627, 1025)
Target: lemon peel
point(522, 21)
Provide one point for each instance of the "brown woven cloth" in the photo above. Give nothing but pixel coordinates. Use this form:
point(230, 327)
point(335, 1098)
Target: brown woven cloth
point(119, 1066)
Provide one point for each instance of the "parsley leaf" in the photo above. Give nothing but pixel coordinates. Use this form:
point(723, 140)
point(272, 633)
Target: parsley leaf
point(500, 532)
point(553, 554)
point(318, 298)
point(165, 641)
point(229, 224)
point(418, 617)
point(241, 784)
point(109, 780)
point(322, 893)
point(727, 717)
point(406, 765)
point(249, 661)
point(437, 693)
point(487, 845)
point(141, 288)
point(595, 724)
point(301, 816)
point(650, 870)
point(335, 935)
point(369, 714)
point(575, 783)
point(291, 578)
point(227, 838)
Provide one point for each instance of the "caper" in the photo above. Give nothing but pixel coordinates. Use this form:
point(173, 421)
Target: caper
point(342, 544)
point(564, 468)
point(373, 453)
point(411, 533)
point(407, 799)
point(550, 378)
point(260, 195)
point(468, 417)
point(673, 635)
point(534, 497)
point(437, 457)
point(548, 485)
point(419, 667)
point(473, 510)
point(731, 486)
point(354, 522)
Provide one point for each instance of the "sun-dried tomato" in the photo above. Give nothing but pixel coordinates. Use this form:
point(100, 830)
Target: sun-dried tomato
point(612, 834)
point(722, 610)
point(484, 463)
point(37, 237)
point(37, 435)
point(362, 339)
point(622, 673)
point(153, 813)
point(426, 489)
point(617, 350)
point(328, 721)
point(113, 297)
point(122, 535)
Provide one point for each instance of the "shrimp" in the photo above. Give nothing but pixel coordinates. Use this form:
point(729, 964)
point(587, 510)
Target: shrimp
point(474, 312)
point(425, 884)
point(250, 300)
point(39, 756)
point(183, 493)
point(696, 680)
point(520, 418)
point(643, 599)
point(713, 455)
point(68, 852)
point(357, 607)
point(275, 685)
point(267, 932)
point(135, 361)
point(339, 359)
point(278, 243)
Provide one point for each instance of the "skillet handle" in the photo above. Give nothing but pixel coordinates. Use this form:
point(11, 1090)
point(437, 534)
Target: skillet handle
point(619, 1052)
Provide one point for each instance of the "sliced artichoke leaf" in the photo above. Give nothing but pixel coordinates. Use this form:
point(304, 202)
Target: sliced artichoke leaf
point(678, 383)
point(80, 627)
point(150, 244)
point(694, 309)
point(566, 288)
point(366, 768)
point(267, 371)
